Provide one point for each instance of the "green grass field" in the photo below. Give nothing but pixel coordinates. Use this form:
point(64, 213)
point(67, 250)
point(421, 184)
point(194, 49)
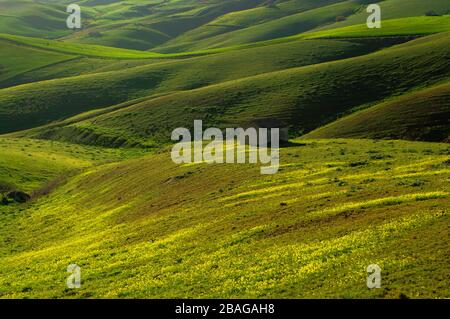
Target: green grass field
point(421, 115)
point(285, 26)
point(396, 9)
point(394, 27)
point(28, 164)
point(80, 49)
point(15, 59)
point(226, 231)
point(32, 18)
point(86, 118)
point(160, 78)
point(236, 102)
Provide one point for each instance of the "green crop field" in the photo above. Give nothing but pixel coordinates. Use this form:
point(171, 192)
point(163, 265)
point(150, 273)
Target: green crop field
point(87, 175)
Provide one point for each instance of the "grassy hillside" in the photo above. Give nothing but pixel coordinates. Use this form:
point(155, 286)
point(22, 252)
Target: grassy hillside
point(176, 26)
point(86, 118)
point(245, 18)
point(322, 17)
point(286, 26)
point(32, 18)
point(422, 115)
point(15, 59)
point(56, 59)
point(80, 49)
point(73, 67)
point(394, 27)
point(20, 63)
point(23, 107)
point(146, 24)
point(304, 97)
point(395, 9)
point(226, 231)
point(28, 164)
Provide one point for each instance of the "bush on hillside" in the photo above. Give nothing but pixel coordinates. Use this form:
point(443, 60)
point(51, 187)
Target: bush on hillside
point(6, 187)
point(95, 34)
point(431, 14)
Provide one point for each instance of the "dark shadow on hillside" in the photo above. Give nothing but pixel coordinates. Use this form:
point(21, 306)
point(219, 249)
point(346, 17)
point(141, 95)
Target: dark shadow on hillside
point(286, 144)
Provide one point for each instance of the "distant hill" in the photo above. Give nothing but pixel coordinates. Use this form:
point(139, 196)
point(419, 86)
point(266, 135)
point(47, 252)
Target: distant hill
point(305, 97)
point(86, 118)
point(72, 95)
point(422, 115)
point(177, 26)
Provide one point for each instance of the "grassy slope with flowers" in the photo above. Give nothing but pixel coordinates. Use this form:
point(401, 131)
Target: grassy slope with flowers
point(207, 230)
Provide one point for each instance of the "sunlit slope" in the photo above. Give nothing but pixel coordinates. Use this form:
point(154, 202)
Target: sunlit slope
point(38, 103)
point(396, 27)
point(414, 23)
point(27, 164)
point(146, 24)
point(80, 49)
point(20, 65)
point(423, 115)
point(226, 231)
point(32, 18)
point(304, 98)
point(176, 26)
point(394, 9)
point(17, 59)
point(242, 19)
point(21, 61)
point(285, 26)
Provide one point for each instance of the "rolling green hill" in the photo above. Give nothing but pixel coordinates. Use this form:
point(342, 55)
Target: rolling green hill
point(322, 18)
point(422, 115)
point(146, 24)
point(15, 59)
point(23, 62)
point(32, 18)
point(86, 118)
point(245, 18)
point(291, 95)
point(394, 27)
point(35, 165)
point(22, 107)
point(177, 26)
point(226, 231)
point(395, 9)
point(80, 49)
point(286, 26)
